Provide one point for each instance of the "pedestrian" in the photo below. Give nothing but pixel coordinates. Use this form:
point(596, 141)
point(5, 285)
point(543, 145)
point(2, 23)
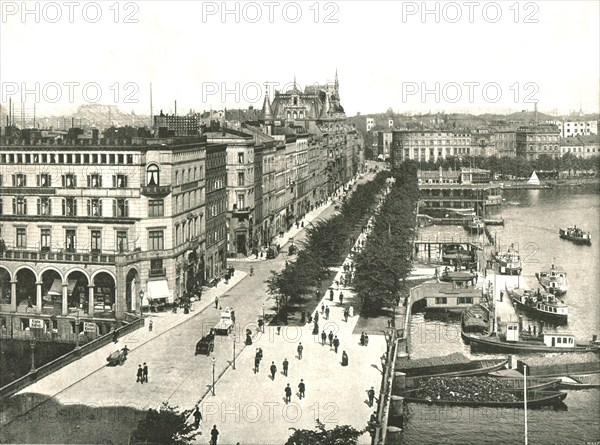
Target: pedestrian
point(285, 367)
point(278, 330)
point(336, 343)
point(351, 311)
point(214, 435)
point(341, 298)
point(260, 354)
point(288, 394)
point(317, 296)
point(251, 270)
point(322, 307)
point(140, 375)
point(344, 359)
point(323, 337)
point(216, 302)
point(366, 339)
point(150, 326)
point(301, 389)
point(330, 294)
point(371, 395)
point(346, 315)
point(327, 313)
point(316, 317)
point(300, 349)
point(330, 336)
point(115, 336)
point(197, 417)
point(501, 295)
point(362, 338)
point(145, 373)
point(273, 370)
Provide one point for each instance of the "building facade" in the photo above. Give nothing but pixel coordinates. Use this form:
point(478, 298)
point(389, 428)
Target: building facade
point(532, 141)
point(429, 145)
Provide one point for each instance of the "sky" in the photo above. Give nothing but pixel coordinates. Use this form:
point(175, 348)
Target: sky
point(414, 57)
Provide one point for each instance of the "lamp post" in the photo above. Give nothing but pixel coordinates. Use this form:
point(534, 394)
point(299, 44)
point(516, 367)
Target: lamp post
point(32, 345)
point(141, 300)
point(263, 318)
point(213, 366)
point(77, 330)
point(234, 338)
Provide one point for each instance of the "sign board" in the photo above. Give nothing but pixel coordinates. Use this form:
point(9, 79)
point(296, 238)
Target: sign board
point(35, 323)
point(89, 327)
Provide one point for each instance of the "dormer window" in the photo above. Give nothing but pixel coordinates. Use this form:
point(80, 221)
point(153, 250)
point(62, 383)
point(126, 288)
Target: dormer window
point(152, 175)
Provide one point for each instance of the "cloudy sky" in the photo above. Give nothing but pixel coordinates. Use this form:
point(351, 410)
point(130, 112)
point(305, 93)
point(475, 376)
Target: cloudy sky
point(412, 56)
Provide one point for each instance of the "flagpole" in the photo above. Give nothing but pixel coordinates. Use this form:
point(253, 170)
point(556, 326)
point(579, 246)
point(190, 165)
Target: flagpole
point(525, 398)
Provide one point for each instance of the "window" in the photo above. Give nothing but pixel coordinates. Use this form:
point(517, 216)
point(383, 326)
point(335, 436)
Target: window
point(441, 300)
point(43, 206)
point(94, 180)
point(240, 157)
point(558, 340)
point(69, 207)
point(156, 267)
point(21, 237)
point(122, 240)
point(96, 241)
point(44, 180)
point(152, 175)
point(177, 178)
point(70, 240)
point(19, 180)
point(94, 207)
point(20, 206)
point(69, 181)
point(156, 240)
point(241, 178)
point(120, 208)
point(240, 201)
point(156, 207)
point(120, 181)
point(45, 240)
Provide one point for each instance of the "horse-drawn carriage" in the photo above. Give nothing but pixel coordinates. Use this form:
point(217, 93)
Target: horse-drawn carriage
point(206, 344)
point(117, 357)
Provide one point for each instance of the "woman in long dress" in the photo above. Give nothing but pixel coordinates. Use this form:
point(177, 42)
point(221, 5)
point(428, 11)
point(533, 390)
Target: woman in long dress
point(351, 311)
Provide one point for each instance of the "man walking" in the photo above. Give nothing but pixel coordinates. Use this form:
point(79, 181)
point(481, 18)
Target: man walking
point(323, 337)
point(285, 367)
point(327, 313)
point(346, 315)
point(273, 371)
point(216, 302)
point(256, 363)
point(300, 349)
point(140, 375)
point(197, 417)
point(302, 388)
point(330, 294)
point(330, 336)
point(145, 373)
point(288, 394)
point(371, 395)
point(150, 326)
point(214, 435)
point(341, 298)
point(322, 307)
point(336, 344)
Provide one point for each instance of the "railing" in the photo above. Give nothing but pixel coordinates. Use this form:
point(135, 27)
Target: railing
point(156, 190)
point(60, 362)
point(60, 256)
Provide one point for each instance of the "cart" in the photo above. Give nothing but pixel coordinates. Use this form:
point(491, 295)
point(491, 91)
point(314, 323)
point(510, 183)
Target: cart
point(117, 357)
point(206, 344)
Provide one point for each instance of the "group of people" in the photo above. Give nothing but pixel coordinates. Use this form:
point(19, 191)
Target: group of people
point(364, 339)
point(142, 374)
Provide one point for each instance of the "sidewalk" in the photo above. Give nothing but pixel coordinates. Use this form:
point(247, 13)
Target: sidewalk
point(66, 377)
point(334, 394)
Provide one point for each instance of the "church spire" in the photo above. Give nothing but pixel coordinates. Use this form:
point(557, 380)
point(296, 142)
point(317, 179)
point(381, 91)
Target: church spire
point(267, 112)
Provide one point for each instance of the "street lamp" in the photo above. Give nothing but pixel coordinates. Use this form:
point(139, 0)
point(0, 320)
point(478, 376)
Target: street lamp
point(77, 330)
point(234, 338)
point(263, 318)
point(141, 300)
point(213, 366)
point(32, 344)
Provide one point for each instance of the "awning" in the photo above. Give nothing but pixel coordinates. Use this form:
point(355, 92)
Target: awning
point(72, 284)
point(159, 290)
point(56, 288)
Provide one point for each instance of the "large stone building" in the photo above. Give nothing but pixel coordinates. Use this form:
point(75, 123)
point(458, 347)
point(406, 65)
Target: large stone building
point(95, 229)
point(429, 145)
point(581, 146)
point(532, 141)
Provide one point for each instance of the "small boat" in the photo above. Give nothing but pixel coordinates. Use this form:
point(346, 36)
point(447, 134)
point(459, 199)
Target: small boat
point(460, 276)
point(580, 381)
point(456, 253)
point(476, 225)
point(578, 236)
point(533, 383)
point(549, 343)
point(540, 304)
point(509, 262)
point(460, 369)
point(534, 399)
point(554, 281)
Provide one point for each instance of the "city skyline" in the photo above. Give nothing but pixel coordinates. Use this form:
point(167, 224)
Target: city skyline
point(205, 57)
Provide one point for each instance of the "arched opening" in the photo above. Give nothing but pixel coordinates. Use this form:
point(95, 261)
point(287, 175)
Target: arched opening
point(4, 286)
point(132, 289)
point(152, 175)
point(26, 291)
point(77, 291)
point(104, 292)
point(52, 290)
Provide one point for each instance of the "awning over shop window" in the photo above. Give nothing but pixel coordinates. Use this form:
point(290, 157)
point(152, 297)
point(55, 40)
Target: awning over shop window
point(159, 290)
point(72, 284)
point(56, 288)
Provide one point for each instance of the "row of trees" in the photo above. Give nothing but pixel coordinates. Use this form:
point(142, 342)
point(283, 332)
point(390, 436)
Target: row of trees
point(327, 243)
point(519, 166)
point(386, 261)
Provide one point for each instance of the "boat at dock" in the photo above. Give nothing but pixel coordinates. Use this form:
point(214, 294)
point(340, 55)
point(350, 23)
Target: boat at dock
point(533, 383)
point(475, 225)
point(494, 221)
point(458, 276)
point(453, 365)
point(456, 254)
point(575, 234)
point(540, 304)
point(554, 280)
point(509, 262)
point(534, 399)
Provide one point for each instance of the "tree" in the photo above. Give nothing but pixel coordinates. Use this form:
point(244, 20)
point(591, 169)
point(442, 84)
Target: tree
point(165, 426)
point(340, 435)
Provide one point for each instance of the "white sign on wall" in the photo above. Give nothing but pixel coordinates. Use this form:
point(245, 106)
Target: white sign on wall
point(35, 323)
point(89, 327)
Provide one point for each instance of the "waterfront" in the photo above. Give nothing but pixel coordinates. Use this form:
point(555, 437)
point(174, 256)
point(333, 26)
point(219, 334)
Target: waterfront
point(532, 225)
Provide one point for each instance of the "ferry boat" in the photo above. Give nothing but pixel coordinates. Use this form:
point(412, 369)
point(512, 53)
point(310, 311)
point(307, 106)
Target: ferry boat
point(476, 225)
point(456, 253)
point(554, 281)
point(578, 236)
point(540, 304)
point(509, 262)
